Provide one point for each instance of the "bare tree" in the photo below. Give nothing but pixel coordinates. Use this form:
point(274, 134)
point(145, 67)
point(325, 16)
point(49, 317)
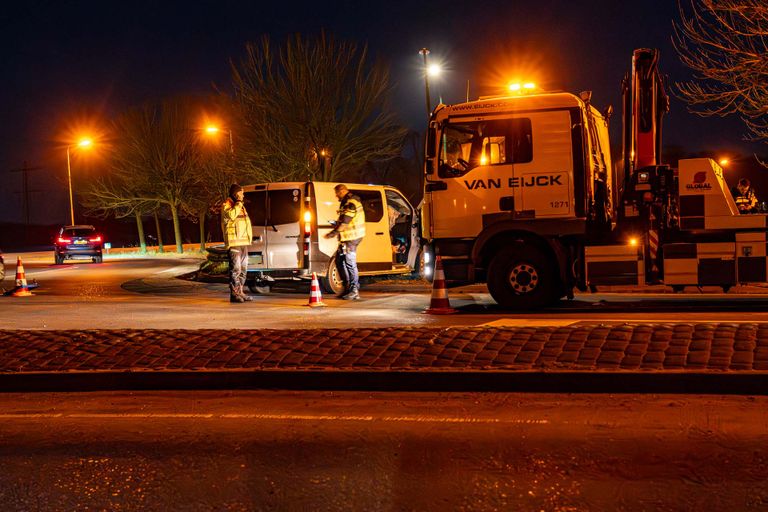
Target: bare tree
point(314, 108)
point(216, 174)
point(157, 150)
point(115, 195)
point(724, 43)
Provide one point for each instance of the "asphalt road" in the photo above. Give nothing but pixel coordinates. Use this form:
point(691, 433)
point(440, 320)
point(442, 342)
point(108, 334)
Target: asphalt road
point(383, 451)
point(146, 293)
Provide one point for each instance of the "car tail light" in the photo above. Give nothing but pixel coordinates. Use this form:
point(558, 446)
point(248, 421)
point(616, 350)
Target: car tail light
point(64, 240)
point(95, 239)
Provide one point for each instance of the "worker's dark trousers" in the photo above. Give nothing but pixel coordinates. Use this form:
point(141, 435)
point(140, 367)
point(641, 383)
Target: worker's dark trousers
point(346, 262)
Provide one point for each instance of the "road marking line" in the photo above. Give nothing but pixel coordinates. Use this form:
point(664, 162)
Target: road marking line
point(289, 417)
point(522, 322)
point(30, 415)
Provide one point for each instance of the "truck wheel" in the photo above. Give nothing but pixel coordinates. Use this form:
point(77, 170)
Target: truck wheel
point(332, 282)
point(522, 278)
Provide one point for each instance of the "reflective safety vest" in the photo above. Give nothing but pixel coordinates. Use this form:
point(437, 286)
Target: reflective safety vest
point(746, 201)
point(351, 207)
point(236, 224)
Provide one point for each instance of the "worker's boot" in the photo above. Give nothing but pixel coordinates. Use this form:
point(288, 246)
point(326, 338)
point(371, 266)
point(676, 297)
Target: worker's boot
point(353, 294)
point(242, 295)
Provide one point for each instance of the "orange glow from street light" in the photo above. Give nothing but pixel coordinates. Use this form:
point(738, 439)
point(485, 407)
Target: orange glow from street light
point(85, 142)
point(212, 129)
point(723, 162)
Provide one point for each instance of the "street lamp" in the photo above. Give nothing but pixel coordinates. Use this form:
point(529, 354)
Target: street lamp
point(82, 143)
point(214, 130)
point(429, 70)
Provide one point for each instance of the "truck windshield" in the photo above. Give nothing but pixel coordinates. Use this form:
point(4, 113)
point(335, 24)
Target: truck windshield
point(464, 146)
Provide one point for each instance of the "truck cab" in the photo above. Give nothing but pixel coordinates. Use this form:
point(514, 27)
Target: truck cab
point(502, 173)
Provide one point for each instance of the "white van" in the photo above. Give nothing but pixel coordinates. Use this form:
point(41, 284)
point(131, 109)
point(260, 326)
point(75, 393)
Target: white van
point(290, 220)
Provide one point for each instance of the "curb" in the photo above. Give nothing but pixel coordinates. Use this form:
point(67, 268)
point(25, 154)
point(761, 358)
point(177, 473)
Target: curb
point(645, 358)
point(715, 383)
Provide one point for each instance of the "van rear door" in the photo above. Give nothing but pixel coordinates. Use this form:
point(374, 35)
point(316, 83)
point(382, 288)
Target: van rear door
point(283, 226)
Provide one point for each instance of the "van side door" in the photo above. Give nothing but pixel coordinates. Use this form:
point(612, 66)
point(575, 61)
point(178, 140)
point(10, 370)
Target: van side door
point(403, 229)
point(375, 251)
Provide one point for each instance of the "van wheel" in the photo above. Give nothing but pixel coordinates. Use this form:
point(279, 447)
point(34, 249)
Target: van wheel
point(522, 278)
point(260, 289)
point(332, 282)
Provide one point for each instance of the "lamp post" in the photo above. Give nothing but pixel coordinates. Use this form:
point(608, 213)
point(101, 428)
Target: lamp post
point(83, 143)
point(212, 130)
point(429, 70)
point(325, 159)
point(424, 52)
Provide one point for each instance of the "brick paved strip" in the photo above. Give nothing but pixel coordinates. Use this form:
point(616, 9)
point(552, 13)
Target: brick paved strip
point(600, 348)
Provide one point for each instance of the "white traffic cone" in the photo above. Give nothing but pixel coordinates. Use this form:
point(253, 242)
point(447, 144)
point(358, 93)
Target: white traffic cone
point(439, 304)
point(315, 297)
point(22, 290)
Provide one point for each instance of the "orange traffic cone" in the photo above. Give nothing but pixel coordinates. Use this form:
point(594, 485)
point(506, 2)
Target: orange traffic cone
point(315, 297)
point(439, 304)
point(22, 290)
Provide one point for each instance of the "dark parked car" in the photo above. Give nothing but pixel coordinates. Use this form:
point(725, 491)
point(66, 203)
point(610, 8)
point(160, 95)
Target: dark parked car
point(78, 242)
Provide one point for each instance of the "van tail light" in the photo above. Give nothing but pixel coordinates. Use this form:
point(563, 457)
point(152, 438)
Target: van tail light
point(95, 239)
point(307, 235)
point(61, 240)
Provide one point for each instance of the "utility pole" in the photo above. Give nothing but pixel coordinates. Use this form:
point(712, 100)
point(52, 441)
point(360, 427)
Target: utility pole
point(25, 190)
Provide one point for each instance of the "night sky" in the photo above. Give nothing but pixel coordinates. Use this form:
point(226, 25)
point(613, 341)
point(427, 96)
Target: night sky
point(73, 62)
